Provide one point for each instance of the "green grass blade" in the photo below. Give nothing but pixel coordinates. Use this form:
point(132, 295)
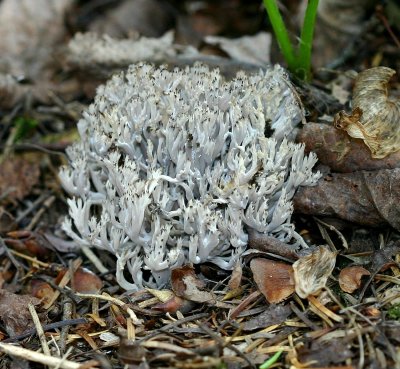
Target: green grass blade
point(281, 33)
point(271, 361)
point(306, 39)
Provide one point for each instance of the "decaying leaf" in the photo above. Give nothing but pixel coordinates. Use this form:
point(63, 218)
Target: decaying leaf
point(365, 197)
point(250, 49)
point(150, 18)
point(186, 284)
point(350, 278)
point(311, 272)
point(274, 279)
point(29, 31)
point(274, 314)
point(99, 55)
point(338, 24)
point(341, 153)
point(29, 242)
point(325, 353)
point(14, 312)
point(17, 177)
point(376, 116)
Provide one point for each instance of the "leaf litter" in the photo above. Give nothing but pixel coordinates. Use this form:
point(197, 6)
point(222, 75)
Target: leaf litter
point(329, 306)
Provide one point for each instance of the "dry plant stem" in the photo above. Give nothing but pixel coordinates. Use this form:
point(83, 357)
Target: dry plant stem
point(46, 327)
point(37, 357)
point(29, 258)
point(115, 301)
point(67, 314)
point(39, 330)
point(94, 259)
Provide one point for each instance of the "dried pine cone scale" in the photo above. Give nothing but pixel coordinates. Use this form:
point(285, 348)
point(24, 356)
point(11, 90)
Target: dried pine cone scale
point(173, 166)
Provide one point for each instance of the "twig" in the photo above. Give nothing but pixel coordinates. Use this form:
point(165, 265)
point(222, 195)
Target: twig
point(64, 281)
point(46, 205)
point(223, 343)
point(173, 325)
point(39, 329)
point(94, 259)
point(67, 314)
point(46, 327)
point(38, 357)
point(31, 208)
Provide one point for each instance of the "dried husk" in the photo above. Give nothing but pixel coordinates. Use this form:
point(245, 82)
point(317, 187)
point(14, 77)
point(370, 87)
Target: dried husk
point(376, 116)
point(311, 272)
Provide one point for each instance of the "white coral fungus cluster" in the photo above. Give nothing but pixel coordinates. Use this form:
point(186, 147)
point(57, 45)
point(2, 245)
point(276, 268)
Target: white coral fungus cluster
point(174, 166)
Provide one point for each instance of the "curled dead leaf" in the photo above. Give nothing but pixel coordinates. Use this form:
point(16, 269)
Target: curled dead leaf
point(274, 279)
point(186, 284)
point(376, 116)
point(311, 272)
point(350, 278)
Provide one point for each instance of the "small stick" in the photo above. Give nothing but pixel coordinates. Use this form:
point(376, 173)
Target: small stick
point(64, 281)
point(39, 329)
point(46, 327)
point(46, 205)
point(38, 357)
point(94, 259)
point(67, 315)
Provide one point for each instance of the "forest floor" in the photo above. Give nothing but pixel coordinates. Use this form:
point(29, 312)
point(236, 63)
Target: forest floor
point(58, 311)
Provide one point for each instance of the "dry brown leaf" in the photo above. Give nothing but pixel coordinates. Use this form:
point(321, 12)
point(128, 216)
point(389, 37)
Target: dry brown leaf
point(370, 198)
point(274, 314)
point(311, 272)
point(274, 279)
point(17, 177)
point(249, 49)
point(375, 117)
point(338, 23)
point(14, 312)
point(350, 278)
point(29, 32)
point(185, 284)
point(340, 152)
point(150, 18)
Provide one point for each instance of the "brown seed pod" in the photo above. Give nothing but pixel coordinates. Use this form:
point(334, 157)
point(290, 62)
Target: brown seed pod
point(376, 116)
